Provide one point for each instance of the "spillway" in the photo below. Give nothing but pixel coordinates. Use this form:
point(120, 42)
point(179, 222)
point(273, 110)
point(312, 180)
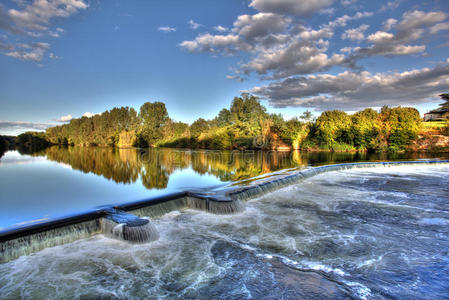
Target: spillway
point(357, 231)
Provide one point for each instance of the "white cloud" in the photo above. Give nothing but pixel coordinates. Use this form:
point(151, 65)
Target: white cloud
point(415, 19)
point(209, 43)
point(88, 114)
point(220, 28)
point(357, 90)
point(290, 7)
point(18, 127)
point(355, 34)
point(388, 24)
point(348, 2)
point(193, 25)
point(166, 29)
point(64, 119)
point(53, 56)
point(33, 52)
point(276, 45)
point(259, 25)
point(439, 27)
point(37, 15)
point(343, 20)
point(380, 37)
point(296, 58)
point(391, 5)
point(412, 27)
point(32, 19)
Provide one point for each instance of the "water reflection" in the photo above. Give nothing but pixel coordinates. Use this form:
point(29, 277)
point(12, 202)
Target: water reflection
point(154, 166)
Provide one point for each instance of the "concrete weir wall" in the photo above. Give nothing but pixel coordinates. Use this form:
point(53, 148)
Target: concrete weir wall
point(132, 221)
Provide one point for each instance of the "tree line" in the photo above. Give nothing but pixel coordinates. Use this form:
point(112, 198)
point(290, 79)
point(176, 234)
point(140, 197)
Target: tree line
point(246, 124)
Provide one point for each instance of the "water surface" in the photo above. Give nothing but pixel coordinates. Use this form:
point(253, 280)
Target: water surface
point(61, 181)
point(361, 233)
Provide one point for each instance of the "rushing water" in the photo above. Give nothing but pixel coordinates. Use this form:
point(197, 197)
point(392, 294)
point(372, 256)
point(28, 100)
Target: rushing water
point(63, 181)
point(363, 233)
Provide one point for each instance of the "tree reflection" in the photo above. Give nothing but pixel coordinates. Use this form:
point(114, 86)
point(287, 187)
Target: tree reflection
point(155, 165)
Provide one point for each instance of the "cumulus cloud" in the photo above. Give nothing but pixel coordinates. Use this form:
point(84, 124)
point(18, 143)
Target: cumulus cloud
point(355, 34)
point(415, 19)
point(411, 28)
point(166, 29)
point(210, 43)
point(259, 25)
point(357, 90)
point(34, 51)
point(343, 20)
point(37, 15)
point(89, 114)
point(290, 7)
point(388, 24)
point(439, 27)
point(220, 28)
point(18, 127)
point(193, 25)
point(296, 58)
point(277, 45)
point(64, 119)
point(33, 19)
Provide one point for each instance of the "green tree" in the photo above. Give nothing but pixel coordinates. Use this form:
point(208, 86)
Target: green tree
point(365, 128)
point(445, 105)
point(153, 117)
point(334, 126)
point(224, 118)
point(400, 126)
point(247, 109)
point(198, 127)
point(306, 116)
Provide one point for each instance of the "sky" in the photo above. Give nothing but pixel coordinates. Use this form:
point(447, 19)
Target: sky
point(62, 59)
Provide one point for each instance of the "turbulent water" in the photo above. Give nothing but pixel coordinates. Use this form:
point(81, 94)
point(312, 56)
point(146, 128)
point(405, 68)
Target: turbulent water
point(364, 233)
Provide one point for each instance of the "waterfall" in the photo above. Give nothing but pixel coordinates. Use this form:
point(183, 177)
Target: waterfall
point(265, 186)
point(138, 228)
point(127, 227)
point(24, 245)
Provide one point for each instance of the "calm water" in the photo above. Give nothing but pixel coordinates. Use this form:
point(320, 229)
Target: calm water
point(63, 181)
point(356, 234)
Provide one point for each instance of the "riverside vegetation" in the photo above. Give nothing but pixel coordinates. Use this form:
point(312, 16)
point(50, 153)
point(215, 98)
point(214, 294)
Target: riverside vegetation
point(245, 125)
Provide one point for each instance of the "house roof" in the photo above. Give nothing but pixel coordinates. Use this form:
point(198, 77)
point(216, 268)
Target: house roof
point(437, 111)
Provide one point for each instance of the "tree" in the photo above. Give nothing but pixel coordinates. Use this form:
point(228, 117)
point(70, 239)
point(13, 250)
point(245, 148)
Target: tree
point(365, 128)
point(399, 126)
point(306, 116)
point(152, 117)
point(334, 126)
point(224, 118)
point(247, 109)
point(198, 127)
point(445, 104)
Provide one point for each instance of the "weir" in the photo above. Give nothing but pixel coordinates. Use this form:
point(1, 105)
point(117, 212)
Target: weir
point(267, 185)
point(131, 222)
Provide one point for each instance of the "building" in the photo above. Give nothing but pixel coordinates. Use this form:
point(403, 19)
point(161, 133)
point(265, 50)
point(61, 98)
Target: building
point(438, 114)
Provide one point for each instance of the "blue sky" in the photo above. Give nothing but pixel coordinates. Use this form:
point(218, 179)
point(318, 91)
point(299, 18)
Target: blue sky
point(65, 58)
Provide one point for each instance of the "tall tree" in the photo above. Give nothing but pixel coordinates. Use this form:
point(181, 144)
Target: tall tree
point(153, 116)
point(445, 104)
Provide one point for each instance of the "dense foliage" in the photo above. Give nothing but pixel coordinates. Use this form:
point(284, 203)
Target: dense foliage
point(30, 142)
point(245, 125)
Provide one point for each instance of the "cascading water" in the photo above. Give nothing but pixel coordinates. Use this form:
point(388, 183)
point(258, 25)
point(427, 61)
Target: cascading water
point(31, 243)
point(127, 227)
point(365, 233)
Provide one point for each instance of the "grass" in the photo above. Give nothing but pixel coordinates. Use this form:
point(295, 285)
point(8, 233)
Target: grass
point(434, 124)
